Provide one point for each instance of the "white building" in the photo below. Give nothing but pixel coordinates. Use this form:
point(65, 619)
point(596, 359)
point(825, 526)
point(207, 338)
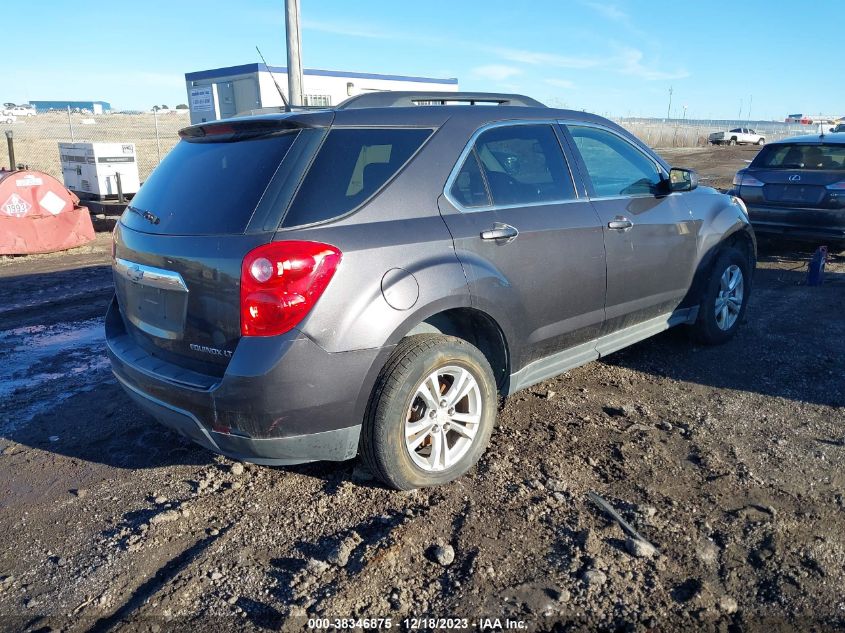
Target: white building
point(224, 92)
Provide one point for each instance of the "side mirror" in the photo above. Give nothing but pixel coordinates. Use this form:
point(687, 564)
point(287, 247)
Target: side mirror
point(682, 179)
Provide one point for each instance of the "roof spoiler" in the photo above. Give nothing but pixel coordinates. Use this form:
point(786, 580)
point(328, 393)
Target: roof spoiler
point(401, 99)
point(224, 129)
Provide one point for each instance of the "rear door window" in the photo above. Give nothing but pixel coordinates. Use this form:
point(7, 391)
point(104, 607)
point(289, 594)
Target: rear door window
point(469, 188)
point(350, 167)
point(524, 164)
point(615, 166)
point(207, 187)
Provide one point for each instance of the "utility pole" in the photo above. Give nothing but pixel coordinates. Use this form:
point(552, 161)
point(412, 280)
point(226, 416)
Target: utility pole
point(750, 102)
point(294, 43)
point(669, 109)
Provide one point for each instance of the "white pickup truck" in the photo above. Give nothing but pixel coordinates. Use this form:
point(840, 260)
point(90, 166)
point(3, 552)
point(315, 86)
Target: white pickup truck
point(736, 136)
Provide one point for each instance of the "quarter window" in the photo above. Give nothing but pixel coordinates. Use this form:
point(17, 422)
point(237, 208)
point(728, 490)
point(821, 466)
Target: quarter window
point(615, 166)
point(350, 167)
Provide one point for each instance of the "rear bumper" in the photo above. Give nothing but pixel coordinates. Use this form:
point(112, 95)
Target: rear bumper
point(336, 445)
point(282, 400)
point(799, 233)
point(797, 222)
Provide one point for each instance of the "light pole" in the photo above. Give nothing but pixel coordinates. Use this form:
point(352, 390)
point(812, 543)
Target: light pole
point(669, 109)
point(294, 43)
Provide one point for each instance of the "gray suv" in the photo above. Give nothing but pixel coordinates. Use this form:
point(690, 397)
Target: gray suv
point(311, 285)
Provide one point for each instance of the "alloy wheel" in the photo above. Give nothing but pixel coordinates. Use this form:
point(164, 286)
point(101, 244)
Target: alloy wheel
point(443, 419)
point(730, 296)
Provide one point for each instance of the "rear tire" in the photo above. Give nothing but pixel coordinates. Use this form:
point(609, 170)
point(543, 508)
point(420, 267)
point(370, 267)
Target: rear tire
point(761, 141)
point(725, 298)
point(412, 437)
point(732, 142)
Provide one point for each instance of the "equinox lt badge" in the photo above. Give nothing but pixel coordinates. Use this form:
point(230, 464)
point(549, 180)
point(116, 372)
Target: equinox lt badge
point(210, 350)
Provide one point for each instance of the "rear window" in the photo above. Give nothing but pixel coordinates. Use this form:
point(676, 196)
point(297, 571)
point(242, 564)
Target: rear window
point(204, 188)
point(350, 167)
point(798, 156)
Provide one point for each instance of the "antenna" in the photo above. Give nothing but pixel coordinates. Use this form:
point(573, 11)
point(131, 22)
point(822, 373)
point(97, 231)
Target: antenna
point(281, 94)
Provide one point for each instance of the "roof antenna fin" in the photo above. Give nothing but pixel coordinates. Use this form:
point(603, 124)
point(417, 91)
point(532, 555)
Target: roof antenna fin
point(281, 94)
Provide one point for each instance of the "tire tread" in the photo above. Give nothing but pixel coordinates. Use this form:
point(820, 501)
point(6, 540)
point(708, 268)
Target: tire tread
point(396, 372)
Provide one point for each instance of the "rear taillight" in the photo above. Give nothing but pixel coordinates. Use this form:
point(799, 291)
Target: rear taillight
point(281, 282)
point(837, 186)
point(742, 179)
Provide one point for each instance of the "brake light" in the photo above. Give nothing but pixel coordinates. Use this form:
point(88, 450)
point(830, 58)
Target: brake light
point(742, 179)
point(281, 282)
point(837, 186)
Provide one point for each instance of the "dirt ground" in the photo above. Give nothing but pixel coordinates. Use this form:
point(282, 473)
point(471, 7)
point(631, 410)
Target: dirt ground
point(729, 460)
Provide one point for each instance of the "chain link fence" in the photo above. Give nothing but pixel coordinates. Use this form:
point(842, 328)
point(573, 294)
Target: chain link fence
point(37, 138)
point(662, 134)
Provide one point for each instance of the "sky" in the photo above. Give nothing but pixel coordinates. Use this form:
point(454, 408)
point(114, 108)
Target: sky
point(722, 59)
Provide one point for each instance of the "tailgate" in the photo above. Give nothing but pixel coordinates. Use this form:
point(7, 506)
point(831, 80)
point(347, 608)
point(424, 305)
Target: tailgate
point(179, 296)
point(180, 245)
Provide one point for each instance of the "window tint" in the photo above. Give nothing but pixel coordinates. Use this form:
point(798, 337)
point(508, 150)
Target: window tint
point(615, 166)
point(524, 164)
point(794, 156)
point(469, 188)
point(350, 166)
point(204, 187)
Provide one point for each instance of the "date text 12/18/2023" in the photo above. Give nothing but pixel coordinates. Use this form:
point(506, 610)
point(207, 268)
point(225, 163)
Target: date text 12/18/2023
point(418, 624)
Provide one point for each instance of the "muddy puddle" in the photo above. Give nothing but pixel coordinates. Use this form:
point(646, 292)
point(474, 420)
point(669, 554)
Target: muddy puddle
point(42, 365)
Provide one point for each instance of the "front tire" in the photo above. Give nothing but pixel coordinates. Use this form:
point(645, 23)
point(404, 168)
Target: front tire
point(761, 141)
point(725, 298)
point(431, 414)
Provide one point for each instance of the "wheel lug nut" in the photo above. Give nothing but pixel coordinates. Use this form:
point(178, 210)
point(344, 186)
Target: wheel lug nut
point(442, 403)
point(432, 414)
point(451, 410)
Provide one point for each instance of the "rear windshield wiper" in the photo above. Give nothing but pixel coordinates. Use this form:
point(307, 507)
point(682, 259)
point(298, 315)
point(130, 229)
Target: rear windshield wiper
point(150, 217)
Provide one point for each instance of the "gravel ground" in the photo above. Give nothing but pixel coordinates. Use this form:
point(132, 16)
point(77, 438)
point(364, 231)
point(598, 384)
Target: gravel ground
point(727, 461)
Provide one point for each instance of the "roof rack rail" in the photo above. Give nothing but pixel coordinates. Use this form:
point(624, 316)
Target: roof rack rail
point(401, 99)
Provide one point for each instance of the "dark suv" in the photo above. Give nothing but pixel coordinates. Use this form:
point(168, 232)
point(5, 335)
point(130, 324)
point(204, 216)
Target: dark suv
point(795, 188)
point(309, 285)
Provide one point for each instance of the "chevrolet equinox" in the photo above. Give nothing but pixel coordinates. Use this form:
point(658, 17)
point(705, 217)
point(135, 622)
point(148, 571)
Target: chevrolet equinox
point(315, 284)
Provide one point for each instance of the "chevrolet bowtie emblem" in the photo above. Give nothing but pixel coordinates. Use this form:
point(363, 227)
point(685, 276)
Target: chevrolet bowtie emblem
point(135, 273)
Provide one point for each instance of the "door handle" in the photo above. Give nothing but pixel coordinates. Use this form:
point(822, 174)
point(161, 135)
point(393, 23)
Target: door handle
point(620, 224)
point(500, 231)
